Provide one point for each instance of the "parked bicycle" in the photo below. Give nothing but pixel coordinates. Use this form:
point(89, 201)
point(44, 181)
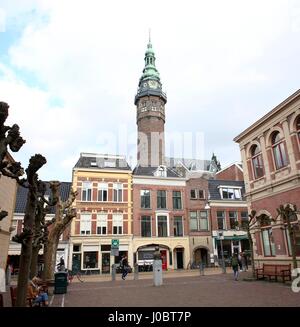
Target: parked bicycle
point(72, 274)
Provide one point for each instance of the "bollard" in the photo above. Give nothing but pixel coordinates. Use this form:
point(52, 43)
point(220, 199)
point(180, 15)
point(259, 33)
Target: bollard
point(157, 273)
point(113, 272)
point(201, 269)
point(136, 271)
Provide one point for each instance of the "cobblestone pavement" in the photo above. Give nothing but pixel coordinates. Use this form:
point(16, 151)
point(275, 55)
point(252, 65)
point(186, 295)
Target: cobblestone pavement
point(179, 289)
point(195, 291)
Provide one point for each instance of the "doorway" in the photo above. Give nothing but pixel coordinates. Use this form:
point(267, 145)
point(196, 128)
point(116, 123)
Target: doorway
point(179, 258)
point(105, 262)
point(201, 256)
point(164, 259)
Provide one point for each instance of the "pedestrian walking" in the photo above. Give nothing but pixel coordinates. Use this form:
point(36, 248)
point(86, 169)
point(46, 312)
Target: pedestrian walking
point(124, 266)
point(245, 261)
point(235, 266)
point(240, 261)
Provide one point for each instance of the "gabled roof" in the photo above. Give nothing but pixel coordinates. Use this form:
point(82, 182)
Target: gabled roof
point(150, 171)
point(214, 184)
point(102, 161)
point(238, 165)
point(191, 164)
point(21, 198)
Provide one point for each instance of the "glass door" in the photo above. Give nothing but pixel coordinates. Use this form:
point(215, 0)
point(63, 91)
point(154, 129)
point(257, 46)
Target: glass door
point(105, 262)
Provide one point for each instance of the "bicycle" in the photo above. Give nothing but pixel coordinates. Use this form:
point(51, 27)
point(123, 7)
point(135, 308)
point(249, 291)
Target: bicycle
point(72, 274)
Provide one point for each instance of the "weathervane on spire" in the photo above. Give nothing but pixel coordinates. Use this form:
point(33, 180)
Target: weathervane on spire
point(149, 35)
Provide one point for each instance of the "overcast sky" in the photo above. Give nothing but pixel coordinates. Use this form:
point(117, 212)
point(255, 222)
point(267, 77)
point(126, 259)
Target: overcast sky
point(70, 70)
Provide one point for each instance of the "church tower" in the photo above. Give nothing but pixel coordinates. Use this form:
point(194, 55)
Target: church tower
point(150, 102)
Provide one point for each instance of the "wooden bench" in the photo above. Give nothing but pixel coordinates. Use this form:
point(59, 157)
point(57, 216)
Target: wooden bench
point(274, 271)
point(13, 296)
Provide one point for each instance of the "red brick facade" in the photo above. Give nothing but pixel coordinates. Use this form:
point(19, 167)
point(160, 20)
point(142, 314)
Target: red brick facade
point(276, 137)
point(138, 212)
point(231, 173)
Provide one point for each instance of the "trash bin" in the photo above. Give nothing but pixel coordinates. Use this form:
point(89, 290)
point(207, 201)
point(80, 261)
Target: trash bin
point(60, 282)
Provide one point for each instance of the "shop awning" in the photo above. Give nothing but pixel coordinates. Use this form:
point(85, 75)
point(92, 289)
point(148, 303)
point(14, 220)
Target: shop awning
point(234, 238)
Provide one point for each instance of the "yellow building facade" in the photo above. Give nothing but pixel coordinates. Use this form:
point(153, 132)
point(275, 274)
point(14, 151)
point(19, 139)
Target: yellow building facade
point(104, 213)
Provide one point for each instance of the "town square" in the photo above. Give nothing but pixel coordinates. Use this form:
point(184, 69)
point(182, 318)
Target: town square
point(145, 165)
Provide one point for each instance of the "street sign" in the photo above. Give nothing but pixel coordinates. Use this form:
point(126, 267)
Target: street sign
point(114, 252)
point(115, 244)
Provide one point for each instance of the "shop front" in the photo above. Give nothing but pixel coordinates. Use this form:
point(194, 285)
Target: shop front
point(230, 244)
point(145, 256)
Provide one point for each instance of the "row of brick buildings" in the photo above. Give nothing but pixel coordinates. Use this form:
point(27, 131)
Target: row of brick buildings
point(144, 208)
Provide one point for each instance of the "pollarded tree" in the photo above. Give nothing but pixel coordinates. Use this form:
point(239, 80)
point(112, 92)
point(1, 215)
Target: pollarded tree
point(64, 213)
point(288, 215)
point(9, 137)
point(250, 226)
point(26, 236)
point(42, 209)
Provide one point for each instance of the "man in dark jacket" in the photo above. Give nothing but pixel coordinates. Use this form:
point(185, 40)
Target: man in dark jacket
point(124, 266)
point(235, 266)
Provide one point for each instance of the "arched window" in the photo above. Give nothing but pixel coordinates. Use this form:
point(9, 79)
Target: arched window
point(279, 153)
point(298, 127)
point(257, 162)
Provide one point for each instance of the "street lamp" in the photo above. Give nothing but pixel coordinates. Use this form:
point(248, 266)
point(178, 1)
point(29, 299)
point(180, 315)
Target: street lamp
point(221, 238)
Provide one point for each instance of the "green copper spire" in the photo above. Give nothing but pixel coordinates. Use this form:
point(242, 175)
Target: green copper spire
point(149, 83)
point(150, 71)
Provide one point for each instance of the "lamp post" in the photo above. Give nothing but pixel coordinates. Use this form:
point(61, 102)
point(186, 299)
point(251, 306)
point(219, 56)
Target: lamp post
point(209, 226)
point(221, 237)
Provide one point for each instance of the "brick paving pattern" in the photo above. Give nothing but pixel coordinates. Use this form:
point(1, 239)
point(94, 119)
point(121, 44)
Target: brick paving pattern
point(187, 289)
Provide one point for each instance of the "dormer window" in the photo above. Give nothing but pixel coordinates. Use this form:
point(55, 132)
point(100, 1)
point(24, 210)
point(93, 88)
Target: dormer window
point(230, 193)
point(161, 171)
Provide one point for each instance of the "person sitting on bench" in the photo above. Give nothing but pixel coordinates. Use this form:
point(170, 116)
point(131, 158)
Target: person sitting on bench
point(37, 292)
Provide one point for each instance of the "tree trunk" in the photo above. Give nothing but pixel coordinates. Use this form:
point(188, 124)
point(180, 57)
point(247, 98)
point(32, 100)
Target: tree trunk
point(50, 257)
point(252, 252)
point(293, 243)
point(26, 250)
point(34, 261)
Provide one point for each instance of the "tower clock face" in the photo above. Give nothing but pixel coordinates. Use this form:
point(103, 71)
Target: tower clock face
point(153, 84)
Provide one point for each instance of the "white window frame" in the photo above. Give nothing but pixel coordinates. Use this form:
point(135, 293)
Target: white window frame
point(84, 188)
point(234, 188)
point(117, 221)
point(182, 218)
point(199, 218)
point(236, 218)
point(224, 219)
point(102, 222)
point(86, 221)
point(193, 230)
point(168, 223)
point(118, 187)
point(204, 195)
point(150, 225)
point(102, 187)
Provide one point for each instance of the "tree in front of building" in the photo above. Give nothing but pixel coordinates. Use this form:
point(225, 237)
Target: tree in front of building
point(64, 213)
point(253, 223)
point(40, 223)
point(26, 237)
point(288, 215)
point(9, 137)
